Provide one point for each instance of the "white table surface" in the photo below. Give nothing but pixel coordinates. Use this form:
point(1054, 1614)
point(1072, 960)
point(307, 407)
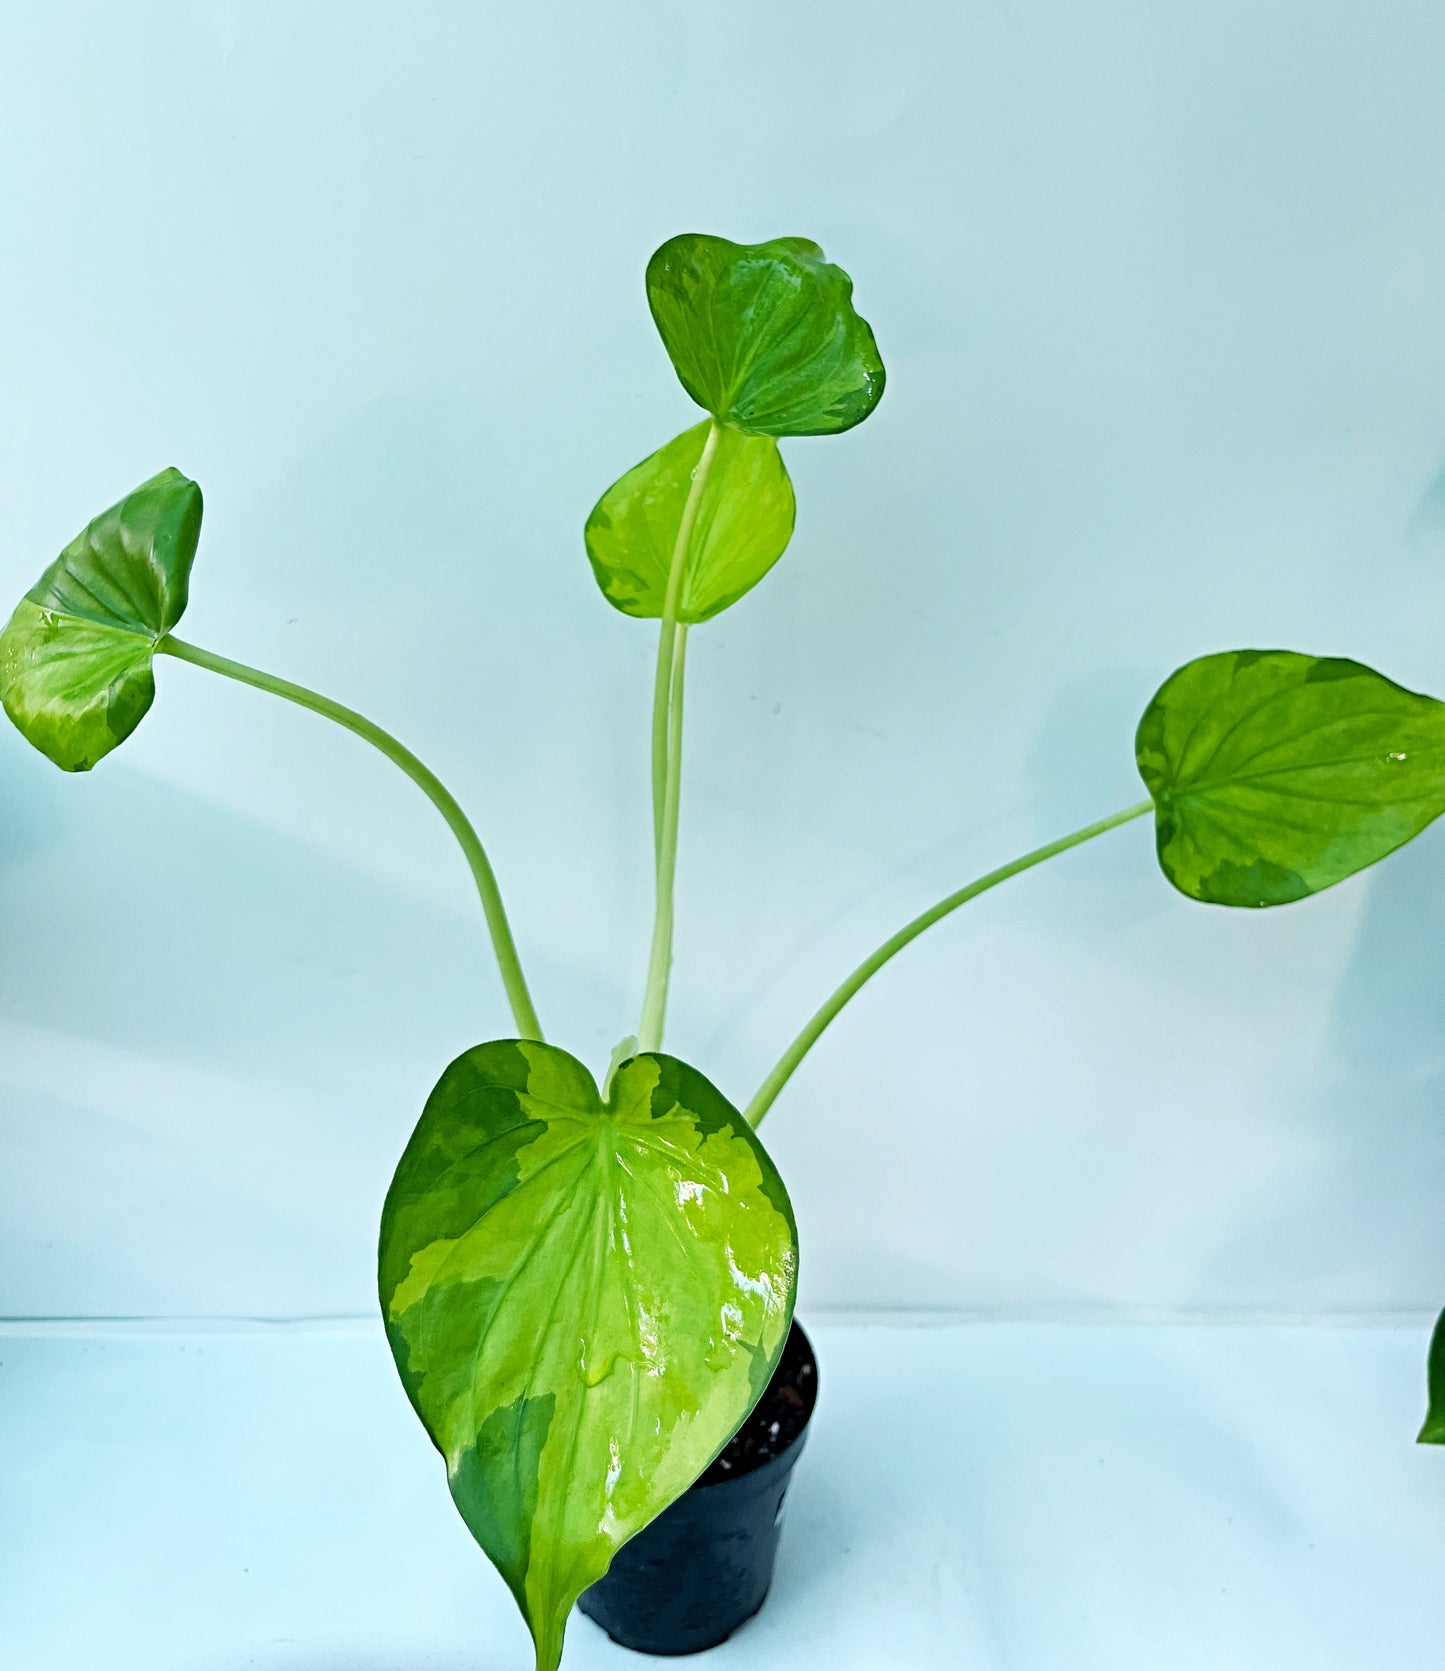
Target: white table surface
point(1005, 1497)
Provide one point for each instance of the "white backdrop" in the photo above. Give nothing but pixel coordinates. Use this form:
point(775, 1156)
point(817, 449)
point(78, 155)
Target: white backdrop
point(1159, 291)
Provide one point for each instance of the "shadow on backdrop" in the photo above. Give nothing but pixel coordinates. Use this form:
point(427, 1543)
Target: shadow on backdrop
point(323, 1660)
point(254, 945)
point(1376, 1118)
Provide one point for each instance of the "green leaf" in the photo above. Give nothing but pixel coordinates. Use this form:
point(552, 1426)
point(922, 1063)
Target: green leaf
point(75, 658)
point(764, 336)
point(584, 1298)
point(744, 522)
point(1275, 774)
point(1433, 1432)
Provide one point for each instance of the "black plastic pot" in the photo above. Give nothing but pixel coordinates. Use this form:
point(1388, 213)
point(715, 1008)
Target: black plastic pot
point(703, 1567)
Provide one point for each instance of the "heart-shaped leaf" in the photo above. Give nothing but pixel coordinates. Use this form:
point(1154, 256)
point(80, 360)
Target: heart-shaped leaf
point(585, 1299)
point(743, 525)
point(764, 336)
point(1276, 774)
point(75, 658)
point(1433, 1432)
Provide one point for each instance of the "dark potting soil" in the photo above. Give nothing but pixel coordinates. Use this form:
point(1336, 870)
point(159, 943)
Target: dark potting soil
point(779, 1417)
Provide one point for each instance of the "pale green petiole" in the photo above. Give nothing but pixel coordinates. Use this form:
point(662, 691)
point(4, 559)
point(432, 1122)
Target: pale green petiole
point(799, 1048)
point(661, 693)
point(667, 756)
point(523, 1013)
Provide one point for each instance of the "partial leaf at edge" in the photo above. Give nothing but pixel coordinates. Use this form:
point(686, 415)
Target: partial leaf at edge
point(584, 1298)
point(1433, 1432)
point(1276, 774)
point(75, 658)
point(765, 336)
point(744, 522)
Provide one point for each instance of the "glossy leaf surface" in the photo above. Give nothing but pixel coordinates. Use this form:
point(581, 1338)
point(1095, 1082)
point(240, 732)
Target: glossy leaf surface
point(1275, 774)
point(765, 336)
point(744, 522)
point(584, 1298)
point(1433, 1432)
point(75, 658)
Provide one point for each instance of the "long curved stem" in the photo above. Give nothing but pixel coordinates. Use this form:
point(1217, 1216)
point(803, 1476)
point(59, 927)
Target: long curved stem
point(654, 1004)
point(661, 712)
point(799, 1048)
point(523, 1012)
point(667, 694)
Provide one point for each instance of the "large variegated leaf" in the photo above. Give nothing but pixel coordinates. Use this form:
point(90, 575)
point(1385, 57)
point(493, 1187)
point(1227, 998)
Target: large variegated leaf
point(75, 658)
point(1275, 774)
point(765, 336)
point(743, 523)
point(585, 1298)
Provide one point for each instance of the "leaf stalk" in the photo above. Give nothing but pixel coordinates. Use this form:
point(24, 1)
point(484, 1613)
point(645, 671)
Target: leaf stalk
point(828, 1011)
point(667, 701)
point(524, 1013)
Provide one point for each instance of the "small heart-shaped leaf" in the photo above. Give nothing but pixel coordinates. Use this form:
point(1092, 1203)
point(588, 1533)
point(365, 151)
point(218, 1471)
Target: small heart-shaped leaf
point(1433, 1432)
point(75, 658)
point(585, 1299)
point(765, 336)
point(1275, 774)
point(744, 522)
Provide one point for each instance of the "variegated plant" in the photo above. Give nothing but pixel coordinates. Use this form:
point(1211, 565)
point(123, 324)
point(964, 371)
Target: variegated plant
point(586, 1289)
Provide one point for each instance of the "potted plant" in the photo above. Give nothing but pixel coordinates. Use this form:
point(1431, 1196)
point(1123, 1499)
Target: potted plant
point(589, 1287)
